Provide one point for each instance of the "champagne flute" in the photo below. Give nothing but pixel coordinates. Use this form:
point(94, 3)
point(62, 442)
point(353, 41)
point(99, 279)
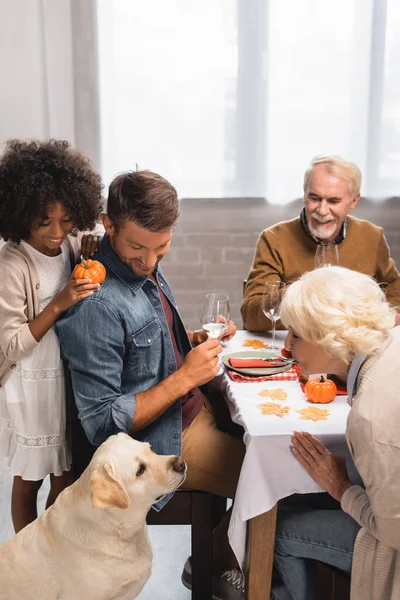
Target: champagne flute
point(326, 255)
point(215, 315)
point(271, 302)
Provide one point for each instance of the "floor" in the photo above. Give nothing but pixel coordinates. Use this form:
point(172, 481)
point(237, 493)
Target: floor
point(171, 547)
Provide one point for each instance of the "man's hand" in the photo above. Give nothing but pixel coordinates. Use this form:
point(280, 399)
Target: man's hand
point(327, 469)
point(230, 332)
point(198, 336)
point(201, 364)
point(89, 245)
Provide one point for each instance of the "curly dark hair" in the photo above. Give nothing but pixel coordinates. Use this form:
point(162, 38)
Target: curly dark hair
point(34, 175)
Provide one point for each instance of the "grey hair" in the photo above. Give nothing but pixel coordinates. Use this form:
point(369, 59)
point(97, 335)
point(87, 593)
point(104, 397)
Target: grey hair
point(339, 166)
point(342, 311)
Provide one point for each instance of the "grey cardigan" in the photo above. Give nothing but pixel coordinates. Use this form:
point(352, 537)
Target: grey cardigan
point(373, 436)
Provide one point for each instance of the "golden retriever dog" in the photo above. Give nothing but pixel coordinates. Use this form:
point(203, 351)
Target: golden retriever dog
point(92, 543)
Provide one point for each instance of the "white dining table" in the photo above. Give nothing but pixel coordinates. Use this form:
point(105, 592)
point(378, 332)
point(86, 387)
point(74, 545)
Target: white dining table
point(269, 471)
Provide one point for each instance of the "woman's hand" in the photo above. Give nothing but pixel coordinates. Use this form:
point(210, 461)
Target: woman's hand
point(89, 245)
point(327, 469)
point(75, 291)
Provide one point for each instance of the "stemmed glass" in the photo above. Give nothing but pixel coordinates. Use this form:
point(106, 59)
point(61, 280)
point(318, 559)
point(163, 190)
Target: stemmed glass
point(326, 255)
point(271, 302)
point(215, 315)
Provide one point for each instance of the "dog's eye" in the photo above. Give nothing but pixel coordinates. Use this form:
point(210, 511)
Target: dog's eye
point(141, 469)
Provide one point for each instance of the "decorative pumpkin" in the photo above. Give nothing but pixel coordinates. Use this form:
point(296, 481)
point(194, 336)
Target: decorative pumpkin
point(320, 391)
point(90, 269)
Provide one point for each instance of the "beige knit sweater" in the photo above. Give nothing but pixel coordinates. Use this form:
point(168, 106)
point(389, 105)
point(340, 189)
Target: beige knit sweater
point(285, 252)
point(20, 299)
point(373, 436)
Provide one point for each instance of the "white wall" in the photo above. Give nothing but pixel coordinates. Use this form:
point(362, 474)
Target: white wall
point(36, 98)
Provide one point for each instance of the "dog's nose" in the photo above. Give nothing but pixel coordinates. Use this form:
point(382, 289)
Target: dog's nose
point(178, 464)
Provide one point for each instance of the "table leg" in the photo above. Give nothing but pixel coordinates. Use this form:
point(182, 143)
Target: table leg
point(260, 555)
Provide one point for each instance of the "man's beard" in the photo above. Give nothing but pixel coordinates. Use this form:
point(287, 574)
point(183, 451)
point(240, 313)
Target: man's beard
point(320, 231)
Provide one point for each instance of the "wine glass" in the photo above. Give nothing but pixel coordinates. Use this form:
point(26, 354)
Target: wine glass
point(215, 315)
point(326, 255)
point(271, 303)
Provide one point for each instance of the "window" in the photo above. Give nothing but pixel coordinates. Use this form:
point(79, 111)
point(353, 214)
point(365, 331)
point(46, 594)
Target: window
point(233, 98)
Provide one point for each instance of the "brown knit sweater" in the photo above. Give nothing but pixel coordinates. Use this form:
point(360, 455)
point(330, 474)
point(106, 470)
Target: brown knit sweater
point(284, 251)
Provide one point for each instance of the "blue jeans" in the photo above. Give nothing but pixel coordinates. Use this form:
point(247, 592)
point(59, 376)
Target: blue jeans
point(306, 534)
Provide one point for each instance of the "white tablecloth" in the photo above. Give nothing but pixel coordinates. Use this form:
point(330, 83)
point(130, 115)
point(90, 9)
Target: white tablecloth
point(269, 471)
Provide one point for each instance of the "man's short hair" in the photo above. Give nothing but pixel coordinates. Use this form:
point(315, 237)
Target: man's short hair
point(339, 166)
point(145, 198)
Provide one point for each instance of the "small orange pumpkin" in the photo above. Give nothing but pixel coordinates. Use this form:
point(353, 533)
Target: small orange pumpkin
point(90, 269)
point(320, 391)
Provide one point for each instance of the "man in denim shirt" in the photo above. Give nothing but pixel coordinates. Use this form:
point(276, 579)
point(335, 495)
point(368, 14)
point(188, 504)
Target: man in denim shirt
point(132, 363)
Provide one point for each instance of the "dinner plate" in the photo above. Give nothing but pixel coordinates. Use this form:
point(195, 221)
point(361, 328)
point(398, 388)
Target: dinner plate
point(255, 371)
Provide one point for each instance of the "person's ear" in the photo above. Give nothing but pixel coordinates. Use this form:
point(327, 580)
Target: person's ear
point(354, 202)
point(108, 224)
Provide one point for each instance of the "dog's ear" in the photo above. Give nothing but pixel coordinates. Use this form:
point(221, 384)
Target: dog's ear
point(106, 491)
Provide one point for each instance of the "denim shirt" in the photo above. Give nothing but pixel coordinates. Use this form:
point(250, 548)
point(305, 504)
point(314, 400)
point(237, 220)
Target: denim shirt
point(117, 344)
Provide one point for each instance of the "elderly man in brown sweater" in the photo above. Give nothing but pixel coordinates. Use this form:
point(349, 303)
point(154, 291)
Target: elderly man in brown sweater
point(285, 251)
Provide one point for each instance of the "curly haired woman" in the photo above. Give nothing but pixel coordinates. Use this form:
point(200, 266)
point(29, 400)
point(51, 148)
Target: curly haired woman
point(48, 193)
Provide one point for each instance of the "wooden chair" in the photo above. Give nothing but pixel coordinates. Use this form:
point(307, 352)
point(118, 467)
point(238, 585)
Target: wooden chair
point(201, 510)
point(332, 583)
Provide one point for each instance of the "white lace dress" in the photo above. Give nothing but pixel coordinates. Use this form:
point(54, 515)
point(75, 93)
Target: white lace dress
point(32, 400)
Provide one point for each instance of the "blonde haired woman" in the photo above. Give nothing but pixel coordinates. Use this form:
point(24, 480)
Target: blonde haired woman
point(340, 322)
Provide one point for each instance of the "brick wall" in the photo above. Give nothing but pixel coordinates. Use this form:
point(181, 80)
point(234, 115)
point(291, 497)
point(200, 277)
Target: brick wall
point(213, 246)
